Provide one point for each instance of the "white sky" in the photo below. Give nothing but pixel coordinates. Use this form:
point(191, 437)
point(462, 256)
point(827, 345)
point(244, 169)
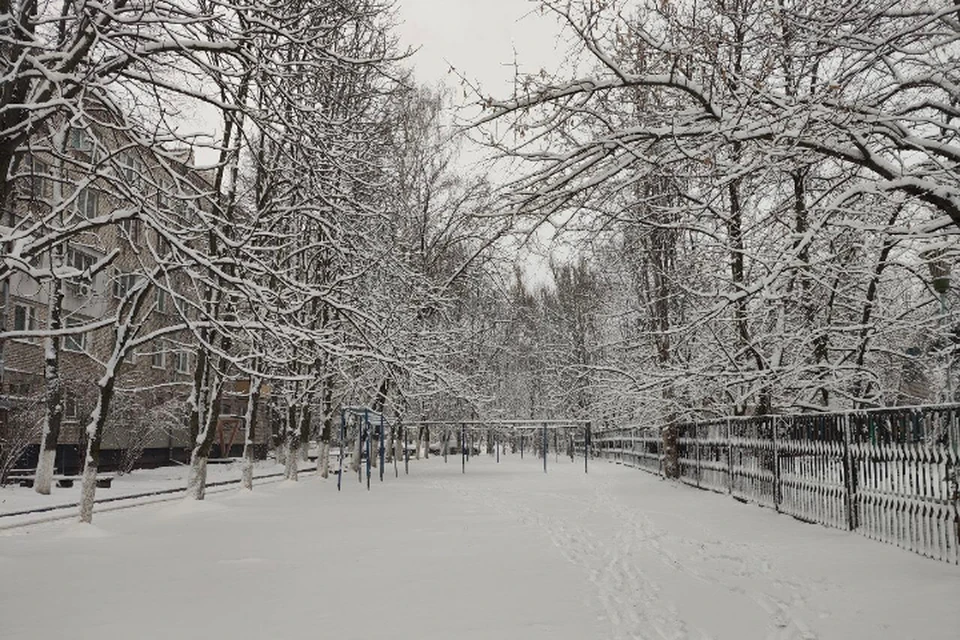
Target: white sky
point(480, 38)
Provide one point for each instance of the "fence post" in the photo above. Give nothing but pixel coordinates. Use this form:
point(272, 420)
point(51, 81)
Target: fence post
point(696, 448)
point(774, 425)
point(953, 464)
point(729, 458)
point(849, 472)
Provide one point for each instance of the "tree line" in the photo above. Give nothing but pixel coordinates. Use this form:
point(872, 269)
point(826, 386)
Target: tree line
point(761, 197)
point(305, 261)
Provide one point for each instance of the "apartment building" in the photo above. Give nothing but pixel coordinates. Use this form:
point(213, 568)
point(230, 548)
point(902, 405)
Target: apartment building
point(93, 172)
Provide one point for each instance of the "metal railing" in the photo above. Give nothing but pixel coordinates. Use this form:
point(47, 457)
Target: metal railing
point(889, 474)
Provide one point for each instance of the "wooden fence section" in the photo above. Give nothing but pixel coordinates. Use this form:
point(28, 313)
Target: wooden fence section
point(890, 474)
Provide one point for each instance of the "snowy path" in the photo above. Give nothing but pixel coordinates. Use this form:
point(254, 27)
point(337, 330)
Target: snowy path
point(501, 552)
point(15, 498)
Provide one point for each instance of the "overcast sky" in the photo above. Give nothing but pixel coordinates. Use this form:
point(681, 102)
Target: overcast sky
point(479, 38)
point(482, 39)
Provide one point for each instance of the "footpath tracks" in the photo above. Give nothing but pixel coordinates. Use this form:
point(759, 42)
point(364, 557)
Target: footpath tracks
point(726, 565)
point(629, 602)
point(624, 554)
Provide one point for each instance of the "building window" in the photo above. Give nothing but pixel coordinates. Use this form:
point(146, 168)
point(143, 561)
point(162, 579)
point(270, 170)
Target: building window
point(25, 319)
point(123, 283)
point(164, 200)
point(163, 245)
point(79, 286)
point(39, 185)
point(183, 361)
point(70, 409)
point(131, 228)
point(129, 356)
point(74, 341)
point(158, 358)
point(80, 139)
point(162, 301)
point(132, 170)
point(87, 202)
point(19, 389)
point(79, 260)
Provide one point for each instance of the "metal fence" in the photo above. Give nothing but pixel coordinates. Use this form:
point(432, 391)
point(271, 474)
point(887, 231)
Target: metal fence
point(890, 474)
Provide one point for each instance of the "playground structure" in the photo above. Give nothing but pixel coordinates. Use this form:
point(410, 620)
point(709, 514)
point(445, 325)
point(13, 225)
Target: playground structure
point(362, 427)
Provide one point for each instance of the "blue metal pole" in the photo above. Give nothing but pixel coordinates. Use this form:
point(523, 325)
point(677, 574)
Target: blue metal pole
point(586, 447)
point(544, 447)
point(343, 428)
point(521, 445)
point(406, 452)
point(496, 443)
point(463, 453)
point(382, 449)
point(366, 419)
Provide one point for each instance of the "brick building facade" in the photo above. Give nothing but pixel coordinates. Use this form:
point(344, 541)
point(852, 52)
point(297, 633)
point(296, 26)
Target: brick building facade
point(155, 380)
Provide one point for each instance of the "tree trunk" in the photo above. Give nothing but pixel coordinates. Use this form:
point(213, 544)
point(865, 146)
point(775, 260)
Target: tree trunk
point(323, 450)
point(305, 433)
point(397, 443)
point(293, 443)
point(197, 479)
point(98, 418)
point(198, 396)
point(671, 452)
point(276, 436)
point(355, 459)
point(326, 401)
point(94, 438)
point(54, 400)
point(323, 462)
point(250, 431)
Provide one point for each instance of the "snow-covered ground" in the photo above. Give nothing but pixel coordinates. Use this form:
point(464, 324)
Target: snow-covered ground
point(14, 498)
point(502, 552)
